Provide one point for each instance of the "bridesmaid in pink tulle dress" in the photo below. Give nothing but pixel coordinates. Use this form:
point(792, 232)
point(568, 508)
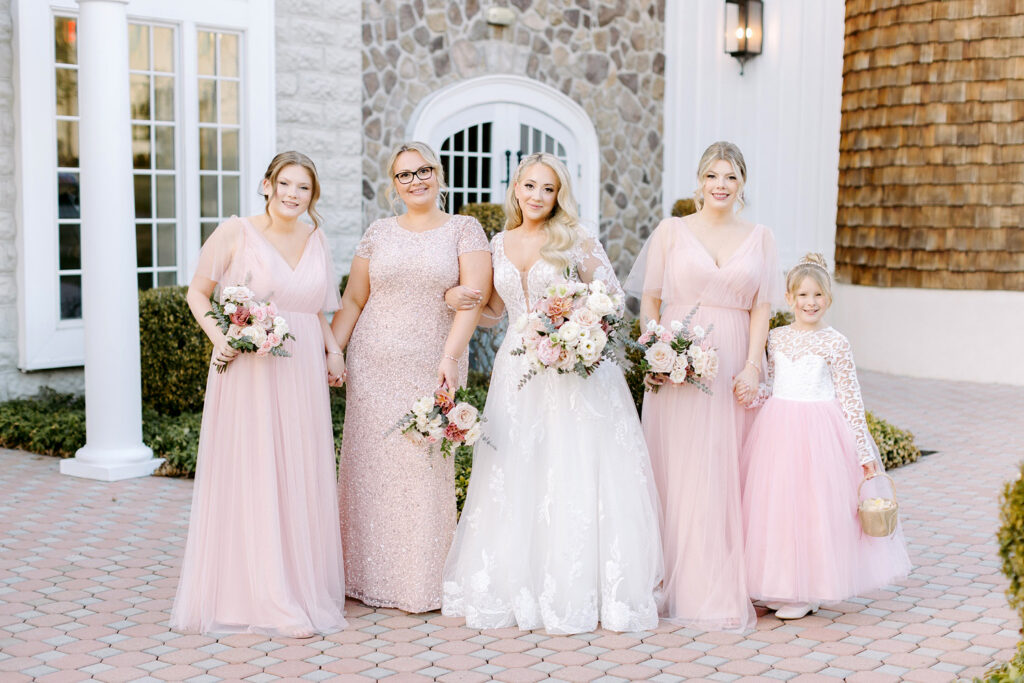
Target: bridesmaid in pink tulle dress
point(264, 552)
point(730, 268)
point(397, 499)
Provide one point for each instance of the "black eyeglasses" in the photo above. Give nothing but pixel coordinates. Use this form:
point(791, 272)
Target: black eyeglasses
point(423, 173)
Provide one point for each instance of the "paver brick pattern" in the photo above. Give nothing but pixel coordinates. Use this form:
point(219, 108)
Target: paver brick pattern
point(88, 572)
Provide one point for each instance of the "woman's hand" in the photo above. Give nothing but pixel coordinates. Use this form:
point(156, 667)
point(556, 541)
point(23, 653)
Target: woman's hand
point(870, 469)
point(336, 372)
point(462, 298)
point(223, 353)
point(745, 384)
point(448, 374)
point(652, 381)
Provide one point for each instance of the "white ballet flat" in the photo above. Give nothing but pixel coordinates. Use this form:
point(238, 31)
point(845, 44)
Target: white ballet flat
point(797, 610)
point(775, 606)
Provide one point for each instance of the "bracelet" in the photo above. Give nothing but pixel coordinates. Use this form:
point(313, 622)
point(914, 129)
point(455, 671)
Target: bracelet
point(754, 365)
point(337, 353)
point(451, 358)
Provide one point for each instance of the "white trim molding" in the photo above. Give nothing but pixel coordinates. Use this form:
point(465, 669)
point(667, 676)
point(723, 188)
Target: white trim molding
point(963, 335)
point(44, 339)
point(432, 115)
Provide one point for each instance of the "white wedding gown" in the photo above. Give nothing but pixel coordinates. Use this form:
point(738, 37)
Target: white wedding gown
point(560, 526)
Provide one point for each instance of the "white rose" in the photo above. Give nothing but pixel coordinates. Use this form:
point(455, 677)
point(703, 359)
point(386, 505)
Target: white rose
point(279, 321)
point(463, 415)
point(698, 332)
point(601, 304)
point(598, 286)
point(423, 405)
point(569, 332)
point(234, 331)
point(422, 423)
point(474, 434)
point(661, 357)
point(652, 326)
point(584, 317)
point(710, 364)
point(677, 376)
point(599, 337)
point(230, 308)
point(676, 326)
point(281, 330)
point(699, 359)
point(256, 334)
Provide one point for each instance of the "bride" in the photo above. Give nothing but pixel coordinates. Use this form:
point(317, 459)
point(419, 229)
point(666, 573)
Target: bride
point(560, 526)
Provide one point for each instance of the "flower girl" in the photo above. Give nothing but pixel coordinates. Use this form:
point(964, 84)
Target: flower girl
point(805, 456)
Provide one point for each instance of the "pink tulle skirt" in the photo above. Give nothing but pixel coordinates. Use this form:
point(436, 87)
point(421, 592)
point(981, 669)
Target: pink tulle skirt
point(803, 541)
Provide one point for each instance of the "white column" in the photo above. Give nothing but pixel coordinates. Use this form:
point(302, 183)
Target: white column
point(110, 302)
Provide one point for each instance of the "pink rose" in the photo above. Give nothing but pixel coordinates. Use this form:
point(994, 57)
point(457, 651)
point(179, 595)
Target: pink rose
point(454, 434)
point(548, 353)
point(666, 337)
point(566, 360)
point(260, 313)
point(264, 348)
point(240, 317)
point(271, 309)
point(645, 337)
point(463, 416)
point(273, 340)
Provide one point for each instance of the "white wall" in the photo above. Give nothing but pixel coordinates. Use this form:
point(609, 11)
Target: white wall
point(783, 112)
point(969, 336)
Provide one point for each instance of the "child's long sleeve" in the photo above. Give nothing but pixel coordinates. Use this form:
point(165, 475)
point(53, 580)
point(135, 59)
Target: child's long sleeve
point(844, 378)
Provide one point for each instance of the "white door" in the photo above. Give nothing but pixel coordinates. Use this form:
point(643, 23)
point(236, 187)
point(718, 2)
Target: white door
point(480, 148)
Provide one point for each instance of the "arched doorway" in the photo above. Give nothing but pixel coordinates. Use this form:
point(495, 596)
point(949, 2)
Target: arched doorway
point(482, 127)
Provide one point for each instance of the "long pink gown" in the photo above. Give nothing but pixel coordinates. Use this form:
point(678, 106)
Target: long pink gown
point(695, 439)
point(264, 551)
point(398, 499)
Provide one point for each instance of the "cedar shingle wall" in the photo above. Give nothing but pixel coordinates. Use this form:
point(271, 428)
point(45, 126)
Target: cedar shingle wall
point(931, 156)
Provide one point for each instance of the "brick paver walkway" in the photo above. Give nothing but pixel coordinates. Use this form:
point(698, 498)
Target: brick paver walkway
point(88, 572)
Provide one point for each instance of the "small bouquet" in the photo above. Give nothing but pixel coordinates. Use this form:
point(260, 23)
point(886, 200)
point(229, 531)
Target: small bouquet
point(251, 326)
point(570, 329)
point(677, 355)
point(446, 417)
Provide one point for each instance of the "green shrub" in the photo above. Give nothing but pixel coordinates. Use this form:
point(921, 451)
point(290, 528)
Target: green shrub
point(896, 445)
point(49, 424)
point(491, 216)
point(175, 438)
point(634, 377)
point(175, 352)
point(1011, 549)
point(780, 318)
point(684, 207)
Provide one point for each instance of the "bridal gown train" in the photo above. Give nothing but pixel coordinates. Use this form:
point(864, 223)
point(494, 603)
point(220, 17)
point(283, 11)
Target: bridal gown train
point(560, 527)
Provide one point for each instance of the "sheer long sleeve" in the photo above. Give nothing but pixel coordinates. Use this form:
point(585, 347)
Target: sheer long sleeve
point(764, 389)
point(593, 264)
point(844, 378)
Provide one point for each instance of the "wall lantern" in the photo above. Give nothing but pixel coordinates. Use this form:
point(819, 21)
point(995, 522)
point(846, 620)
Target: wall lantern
point(743, 34)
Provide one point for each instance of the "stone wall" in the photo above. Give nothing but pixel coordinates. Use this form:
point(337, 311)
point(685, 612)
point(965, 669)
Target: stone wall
point(931, 182)
point(319, 77)
point(13, 382)
point(607, 56)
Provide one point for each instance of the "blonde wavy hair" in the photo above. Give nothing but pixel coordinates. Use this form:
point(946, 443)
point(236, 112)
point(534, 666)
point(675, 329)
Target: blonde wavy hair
point(814, 266)
point(430, 156)
point(563, 225)
point(726, 151)
point(278, 164)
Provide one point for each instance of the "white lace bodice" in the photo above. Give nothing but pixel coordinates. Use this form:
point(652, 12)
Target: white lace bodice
point(520, 291)
point(817, 365)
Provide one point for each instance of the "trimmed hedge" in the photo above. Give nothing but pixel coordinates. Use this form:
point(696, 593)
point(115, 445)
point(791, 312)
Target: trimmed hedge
point(1011, 550)
point(490, 215)
point(684, 207)
point(175, 352)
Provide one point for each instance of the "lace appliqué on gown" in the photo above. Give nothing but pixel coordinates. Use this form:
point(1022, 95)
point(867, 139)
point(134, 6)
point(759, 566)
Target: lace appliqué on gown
point(560, 525)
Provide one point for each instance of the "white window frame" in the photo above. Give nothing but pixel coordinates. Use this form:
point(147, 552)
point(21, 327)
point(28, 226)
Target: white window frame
point(431, 118)
point(44, 340)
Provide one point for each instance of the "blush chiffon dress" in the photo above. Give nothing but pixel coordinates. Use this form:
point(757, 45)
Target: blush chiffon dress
point(263, 553)
point(694, 438)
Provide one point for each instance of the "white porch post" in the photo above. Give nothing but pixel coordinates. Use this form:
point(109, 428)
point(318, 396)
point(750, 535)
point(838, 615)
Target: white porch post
point(110, 302)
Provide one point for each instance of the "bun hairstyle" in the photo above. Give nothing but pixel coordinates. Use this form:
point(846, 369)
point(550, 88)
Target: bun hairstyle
point(814, 266)
point(293, 158)
point(430, 156)
point(562, 226)
point(726, 151)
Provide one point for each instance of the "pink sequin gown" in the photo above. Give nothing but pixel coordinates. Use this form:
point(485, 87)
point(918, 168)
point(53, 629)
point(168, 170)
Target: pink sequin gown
point(397, 499)
point(695, 439)
point(263, 553)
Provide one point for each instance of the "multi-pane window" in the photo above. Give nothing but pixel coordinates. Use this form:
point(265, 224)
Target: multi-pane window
point(533, 140)
point(69, 233)
point(466, 160)
point(152, 77)
point(219, 127)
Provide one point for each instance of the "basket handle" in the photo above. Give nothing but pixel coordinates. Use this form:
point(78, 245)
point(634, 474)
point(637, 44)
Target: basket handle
point(879, 474)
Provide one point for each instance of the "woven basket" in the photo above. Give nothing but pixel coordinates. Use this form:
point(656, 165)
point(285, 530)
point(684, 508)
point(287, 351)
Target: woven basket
point(875, 521)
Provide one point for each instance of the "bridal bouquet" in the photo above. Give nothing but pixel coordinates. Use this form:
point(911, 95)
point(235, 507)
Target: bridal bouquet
point(677, 355)
point(446, 417)
point(251, 326)
point(570, 329)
